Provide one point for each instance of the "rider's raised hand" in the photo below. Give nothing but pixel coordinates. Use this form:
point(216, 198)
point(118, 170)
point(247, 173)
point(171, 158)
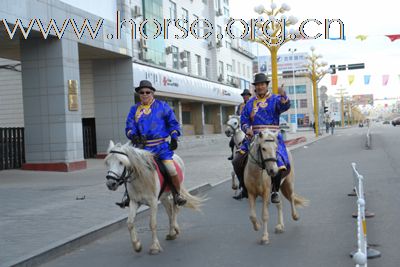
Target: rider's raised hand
point(281, 90)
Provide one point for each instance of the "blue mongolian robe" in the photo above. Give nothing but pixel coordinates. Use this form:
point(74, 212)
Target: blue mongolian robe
point(263, 113)
point(155, 122)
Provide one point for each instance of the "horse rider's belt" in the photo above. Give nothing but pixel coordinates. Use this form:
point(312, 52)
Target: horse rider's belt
point(259, 128)
point(155, 142)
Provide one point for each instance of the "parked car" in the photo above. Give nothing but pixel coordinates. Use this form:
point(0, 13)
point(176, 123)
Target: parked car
point(396, 121)
point(386, 122)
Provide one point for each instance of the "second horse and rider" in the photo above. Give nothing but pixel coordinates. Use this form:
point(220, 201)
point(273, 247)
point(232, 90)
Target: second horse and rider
point(150, 122)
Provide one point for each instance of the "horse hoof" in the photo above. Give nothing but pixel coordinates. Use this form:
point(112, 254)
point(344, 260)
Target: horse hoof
point(279, 229)
point(235, 187)
point(138, 248)
point(256, 226)
point(264, 242)
point(154, 251)
point(295, 217)
point(170, 237)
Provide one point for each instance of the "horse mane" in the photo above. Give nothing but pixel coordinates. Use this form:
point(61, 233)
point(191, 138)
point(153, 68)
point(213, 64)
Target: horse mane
point(141, 161)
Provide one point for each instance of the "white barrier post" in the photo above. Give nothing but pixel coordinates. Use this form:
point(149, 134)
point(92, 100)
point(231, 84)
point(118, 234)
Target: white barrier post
point(363, 252)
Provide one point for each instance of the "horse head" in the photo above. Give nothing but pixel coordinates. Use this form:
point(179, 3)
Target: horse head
point(233, 125)
point(267, 143)
point(118, 165)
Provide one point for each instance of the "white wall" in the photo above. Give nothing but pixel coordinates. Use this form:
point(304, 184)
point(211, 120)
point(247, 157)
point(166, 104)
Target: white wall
point(11, 108)
point(105, 9)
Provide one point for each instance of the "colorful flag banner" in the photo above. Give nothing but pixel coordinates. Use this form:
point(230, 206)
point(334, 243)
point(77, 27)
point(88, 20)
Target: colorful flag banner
point(385, 79)
point(393, 37)
point(367, 78)
point(351, 79)
point(334, 79)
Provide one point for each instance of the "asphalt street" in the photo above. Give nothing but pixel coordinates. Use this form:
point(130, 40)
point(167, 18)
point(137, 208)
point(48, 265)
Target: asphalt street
point(324, 236)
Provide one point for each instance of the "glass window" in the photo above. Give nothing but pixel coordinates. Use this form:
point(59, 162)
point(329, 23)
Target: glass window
point(198, 62)
point(303, 103)
point(205, 2)
point(248, 71)
point(221, 70)
point(226, 12)
point(186, 118)
point(197, 28)
point(239, 68)
point(185, 16)
point(296, 57)
point(175, 57)
point(189, 62)
point(229, 67)
point(207, 63)
point(244, 70)
point(233, 65)
point(172, 10)
point(226, 2)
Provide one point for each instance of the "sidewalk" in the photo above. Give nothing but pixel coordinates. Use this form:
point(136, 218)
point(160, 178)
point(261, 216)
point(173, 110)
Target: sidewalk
point(42, 210)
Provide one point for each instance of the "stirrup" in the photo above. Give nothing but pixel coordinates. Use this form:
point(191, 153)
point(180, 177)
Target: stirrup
point(179, 200)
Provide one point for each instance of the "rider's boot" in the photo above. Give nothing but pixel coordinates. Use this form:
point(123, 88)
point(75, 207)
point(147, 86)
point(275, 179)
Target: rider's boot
point(124, 202)
point(178, 198)
point(276, 183)
point(239, 163)
point(232, 146)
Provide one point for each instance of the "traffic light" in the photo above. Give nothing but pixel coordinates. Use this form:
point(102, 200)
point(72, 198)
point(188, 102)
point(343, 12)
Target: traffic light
point(325, 109)
point(333, 68)
point(356, 66)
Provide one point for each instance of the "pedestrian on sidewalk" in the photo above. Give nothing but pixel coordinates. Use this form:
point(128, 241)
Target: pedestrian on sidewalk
point(327, 124)
point(332, 125)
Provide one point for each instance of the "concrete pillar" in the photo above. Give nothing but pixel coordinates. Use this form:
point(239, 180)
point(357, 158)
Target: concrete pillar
point(178, 112)
point(216, 118)
point(53, 132)
point(198, 118)
point(114, 96)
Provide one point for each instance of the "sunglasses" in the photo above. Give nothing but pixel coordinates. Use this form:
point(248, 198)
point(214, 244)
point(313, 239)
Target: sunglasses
point(145, 92)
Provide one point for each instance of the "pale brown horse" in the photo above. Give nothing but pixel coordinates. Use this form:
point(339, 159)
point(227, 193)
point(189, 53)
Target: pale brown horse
point(262, 153)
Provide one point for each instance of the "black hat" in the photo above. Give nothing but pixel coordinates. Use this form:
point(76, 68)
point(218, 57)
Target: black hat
point(245, 92)
point(260, 78)
point(144, 84)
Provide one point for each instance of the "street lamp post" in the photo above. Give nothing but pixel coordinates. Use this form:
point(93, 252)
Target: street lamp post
point(275, 37)
point(315, 73)
point(294, 90)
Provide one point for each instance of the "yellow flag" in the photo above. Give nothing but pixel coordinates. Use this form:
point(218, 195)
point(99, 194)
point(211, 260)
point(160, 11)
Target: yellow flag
point(351, 79)
point(361, 37)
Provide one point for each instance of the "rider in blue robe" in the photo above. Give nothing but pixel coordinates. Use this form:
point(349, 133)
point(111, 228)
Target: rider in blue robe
point(149, 123)
point(263, 112)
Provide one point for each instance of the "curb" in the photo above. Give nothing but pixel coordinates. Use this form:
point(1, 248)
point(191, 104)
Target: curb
point(61, 247)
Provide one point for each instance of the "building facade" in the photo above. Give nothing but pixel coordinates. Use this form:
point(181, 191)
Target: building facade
point(70, 92)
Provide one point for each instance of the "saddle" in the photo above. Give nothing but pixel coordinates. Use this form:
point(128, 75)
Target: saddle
point(164, 177)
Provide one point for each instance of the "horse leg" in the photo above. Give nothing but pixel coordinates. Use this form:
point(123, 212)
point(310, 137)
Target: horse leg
point(280, 227)
point(265, 216)
point(253, 214)
point(171, 214)
point(155, 247)
point(288, 191)
point(133, 206)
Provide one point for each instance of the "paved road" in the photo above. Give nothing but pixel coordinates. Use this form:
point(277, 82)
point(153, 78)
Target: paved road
point(324, 236)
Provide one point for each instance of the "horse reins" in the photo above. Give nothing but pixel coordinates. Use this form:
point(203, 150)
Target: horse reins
point(125, 177)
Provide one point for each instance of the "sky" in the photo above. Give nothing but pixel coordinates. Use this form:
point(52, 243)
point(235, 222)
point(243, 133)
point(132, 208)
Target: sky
point(375, 19)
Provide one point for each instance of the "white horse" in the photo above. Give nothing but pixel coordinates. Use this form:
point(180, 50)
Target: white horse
point(262, 154)
point(233, 130)
point(137, 169)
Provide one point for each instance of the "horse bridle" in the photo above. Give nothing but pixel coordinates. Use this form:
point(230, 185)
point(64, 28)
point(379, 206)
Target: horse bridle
point(234, 130)
point(261, 163)
point(125, 176)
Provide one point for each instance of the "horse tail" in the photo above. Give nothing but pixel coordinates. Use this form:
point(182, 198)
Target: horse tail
point(300, 201)
point(193, 202)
